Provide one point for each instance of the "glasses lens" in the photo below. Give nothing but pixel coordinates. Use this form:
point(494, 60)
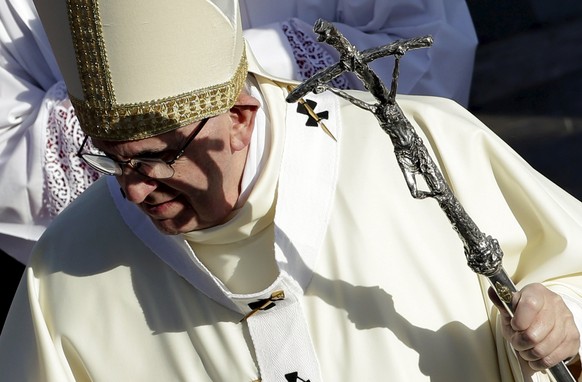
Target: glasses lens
point(152, 168)
point(102, 164)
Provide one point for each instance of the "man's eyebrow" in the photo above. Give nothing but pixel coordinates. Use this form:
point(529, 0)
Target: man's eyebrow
point(144, 154)
point(152, 153)
point(158, 152)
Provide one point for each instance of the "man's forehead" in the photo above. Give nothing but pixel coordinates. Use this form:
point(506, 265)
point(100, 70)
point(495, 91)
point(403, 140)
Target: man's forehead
point(155, 142)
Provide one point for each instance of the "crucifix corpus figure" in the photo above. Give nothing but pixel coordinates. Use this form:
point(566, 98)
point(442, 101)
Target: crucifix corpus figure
point(411, 154)
point(483, 252)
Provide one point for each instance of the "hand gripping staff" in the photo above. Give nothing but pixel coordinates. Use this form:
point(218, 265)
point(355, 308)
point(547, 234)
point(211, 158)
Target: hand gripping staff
point(483, 252)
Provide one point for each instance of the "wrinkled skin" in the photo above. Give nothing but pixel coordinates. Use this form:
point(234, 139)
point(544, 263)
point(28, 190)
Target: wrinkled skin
point(206, 182)
point(542, 330)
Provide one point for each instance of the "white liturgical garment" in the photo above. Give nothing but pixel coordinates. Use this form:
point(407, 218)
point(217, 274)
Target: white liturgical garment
point(375, 284)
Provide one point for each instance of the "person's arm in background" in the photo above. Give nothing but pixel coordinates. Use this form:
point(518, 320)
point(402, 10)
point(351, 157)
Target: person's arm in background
point(279, 30)
point(27, 72)
point(38, 132)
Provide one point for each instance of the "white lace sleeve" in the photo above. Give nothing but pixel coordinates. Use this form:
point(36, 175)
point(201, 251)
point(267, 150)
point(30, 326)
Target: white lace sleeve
point(309, 54)
point(445, 69)
point(66, 175)
point(27, 72)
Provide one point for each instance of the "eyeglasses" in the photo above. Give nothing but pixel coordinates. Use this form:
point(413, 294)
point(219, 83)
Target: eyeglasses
point(155, 168)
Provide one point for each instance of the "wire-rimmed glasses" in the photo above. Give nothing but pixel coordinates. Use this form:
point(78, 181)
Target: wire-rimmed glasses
point(155, 168)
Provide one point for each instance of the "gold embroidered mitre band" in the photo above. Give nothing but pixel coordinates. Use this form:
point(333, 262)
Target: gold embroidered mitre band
point(138, 68)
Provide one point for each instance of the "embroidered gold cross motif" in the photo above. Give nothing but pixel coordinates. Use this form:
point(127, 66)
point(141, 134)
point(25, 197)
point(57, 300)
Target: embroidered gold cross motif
point(264, 304)
point(307, 108)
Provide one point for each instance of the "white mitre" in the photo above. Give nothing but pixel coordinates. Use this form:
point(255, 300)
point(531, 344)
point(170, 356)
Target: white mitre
point(139, 68)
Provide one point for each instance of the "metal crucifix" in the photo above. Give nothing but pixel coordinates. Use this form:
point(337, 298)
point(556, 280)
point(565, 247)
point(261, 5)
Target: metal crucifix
point(483, 253)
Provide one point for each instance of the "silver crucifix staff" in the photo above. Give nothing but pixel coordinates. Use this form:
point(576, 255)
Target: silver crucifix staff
point(483, 252)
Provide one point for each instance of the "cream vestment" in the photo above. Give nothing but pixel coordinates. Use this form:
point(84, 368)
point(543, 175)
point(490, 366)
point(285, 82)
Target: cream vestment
point(376, 284)
point(40, 133)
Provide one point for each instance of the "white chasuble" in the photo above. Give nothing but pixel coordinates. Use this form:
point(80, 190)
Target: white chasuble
point(308, 166)
point(376, 283)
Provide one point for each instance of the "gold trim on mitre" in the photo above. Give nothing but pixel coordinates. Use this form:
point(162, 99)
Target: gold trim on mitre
point(146, 119)
point(132, 114)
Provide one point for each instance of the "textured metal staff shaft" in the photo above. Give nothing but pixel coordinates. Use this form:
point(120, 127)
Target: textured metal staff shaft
point(483, 253)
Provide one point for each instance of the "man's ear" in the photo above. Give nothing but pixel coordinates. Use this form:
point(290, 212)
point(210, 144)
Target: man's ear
point(242, 115)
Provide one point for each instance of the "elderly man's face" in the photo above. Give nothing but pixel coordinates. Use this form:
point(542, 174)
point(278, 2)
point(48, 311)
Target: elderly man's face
point(206, 181)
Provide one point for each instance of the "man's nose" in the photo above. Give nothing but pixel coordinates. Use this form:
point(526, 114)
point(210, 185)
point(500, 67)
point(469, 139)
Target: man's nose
point(137, 187)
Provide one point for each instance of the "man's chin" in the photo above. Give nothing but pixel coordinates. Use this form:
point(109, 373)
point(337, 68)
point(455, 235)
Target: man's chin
point(166, 231)
point(176, 227)
point(182, 223)
point(170, 228)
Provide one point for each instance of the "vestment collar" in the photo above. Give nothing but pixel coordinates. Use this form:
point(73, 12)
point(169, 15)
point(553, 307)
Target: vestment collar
point(304, 197)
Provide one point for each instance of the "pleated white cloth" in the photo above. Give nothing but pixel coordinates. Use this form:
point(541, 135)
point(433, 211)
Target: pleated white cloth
point(281, 36)
point(39, 133)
